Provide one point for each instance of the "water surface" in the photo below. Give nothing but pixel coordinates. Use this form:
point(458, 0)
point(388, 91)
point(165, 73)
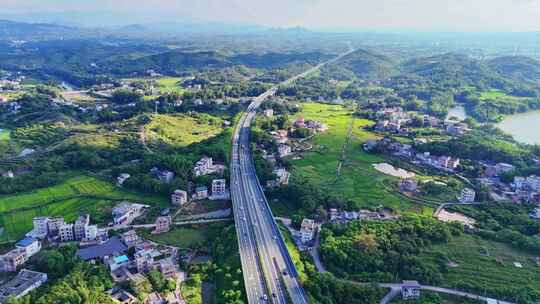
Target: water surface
point(525, 127)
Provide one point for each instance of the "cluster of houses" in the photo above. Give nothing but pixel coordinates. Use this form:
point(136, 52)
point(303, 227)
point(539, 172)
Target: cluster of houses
point(395, 120)
point(95, 245)
point(396, 148)
point(131, 270)
point(523, 189)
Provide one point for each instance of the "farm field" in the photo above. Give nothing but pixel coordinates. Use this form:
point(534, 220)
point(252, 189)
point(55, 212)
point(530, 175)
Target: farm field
point(358, 180)
point(182, 130)
point(75, 196)
point(484, 265)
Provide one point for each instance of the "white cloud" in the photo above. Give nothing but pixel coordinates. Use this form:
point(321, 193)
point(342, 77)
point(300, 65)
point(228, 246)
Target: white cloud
point(458, 15)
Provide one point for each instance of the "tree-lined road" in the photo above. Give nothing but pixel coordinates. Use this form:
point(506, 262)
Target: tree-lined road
point(269, 273)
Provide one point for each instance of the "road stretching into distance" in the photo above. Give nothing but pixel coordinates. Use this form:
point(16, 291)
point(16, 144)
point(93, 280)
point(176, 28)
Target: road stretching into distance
point(269, 273)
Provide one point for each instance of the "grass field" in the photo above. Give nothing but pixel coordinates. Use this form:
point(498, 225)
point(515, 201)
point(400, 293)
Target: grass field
point(358, 180)
point(75, 196)
point(182, 130)
point(169, 85)
point(182, 237)
point(190, 236)
point(490, 273)
point(4, 136)
point(497, 94)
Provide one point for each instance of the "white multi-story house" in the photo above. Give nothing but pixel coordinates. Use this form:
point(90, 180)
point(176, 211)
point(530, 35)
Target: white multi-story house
point(79, 228)
point(307, 230)
point(467, 195)
point(90, 232)
point(66, 233)
point(41, 228)
point(54, 224)
point(125, 213)
point(201, 193)
point(30, 246)
point(219, 187)
point(179, 197)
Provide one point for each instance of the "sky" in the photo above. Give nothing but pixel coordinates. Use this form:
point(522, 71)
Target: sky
point(407, 15)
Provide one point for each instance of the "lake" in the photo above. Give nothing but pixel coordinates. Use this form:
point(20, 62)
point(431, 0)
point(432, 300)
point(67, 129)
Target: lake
point(524, 127)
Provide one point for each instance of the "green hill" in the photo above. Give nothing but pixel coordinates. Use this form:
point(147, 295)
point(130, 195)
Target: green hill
point(366, 64)
point(517, 67)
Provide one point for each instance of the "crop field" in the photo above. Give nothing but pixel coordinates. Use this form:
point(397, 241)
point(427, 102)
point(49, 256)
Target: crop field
point(358, 180)
point(182, 130)
point(485, 265)
point(77, 195)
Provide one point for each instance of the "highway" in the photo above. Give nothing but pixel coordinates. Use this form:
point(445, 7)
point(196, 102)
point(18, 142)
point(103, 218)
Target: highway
point(268, 270)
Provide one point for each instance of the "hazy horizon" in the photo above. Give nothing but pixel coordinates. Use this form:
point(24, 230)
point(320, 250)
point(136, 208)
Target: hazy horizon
point(386, 15)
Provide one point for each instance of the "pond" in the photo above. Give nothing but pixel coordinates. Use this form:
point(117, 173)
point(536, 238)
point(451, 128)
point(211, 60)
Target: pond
point(457, 111)
point(523, 126)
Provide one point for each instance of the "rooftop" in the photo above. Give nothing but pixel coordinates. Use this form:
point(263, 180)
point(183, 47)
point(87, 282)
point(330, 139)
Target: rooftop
point(113, 245)
point(27, 241)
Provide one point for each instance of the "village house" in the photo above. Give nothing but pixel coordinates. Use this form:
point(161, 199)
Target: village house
point(112, 247)
point(54, 224)
point(497, 169)
point(467, 195)
point(219, 189)
point(122, 178)
point(282, 178)
point(10, 261)
point(126, 213)
point(130, 238)
point(300, 122)
point(79, 228)
point(25, 281)
point(268, 112)
point(163, 224)
point(284, 150)
point(66, 233)
point(307, 230)
point(408, 185)
point(410, 290)
point(40, 227)
point(30, 245)
point(164, 176)
point(179, 197)
point(206, 166)
point(201, 192)
point(457, 129)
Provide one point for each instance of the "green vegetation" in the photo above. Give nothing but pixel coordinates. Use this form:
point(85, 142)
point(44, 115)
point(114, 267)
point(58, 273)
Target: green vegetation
point(384, 251)
point(483, 266)
point(75, 196)
point(182, 130)
point(196, 237)
point(4, 135)
point(357, 181)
